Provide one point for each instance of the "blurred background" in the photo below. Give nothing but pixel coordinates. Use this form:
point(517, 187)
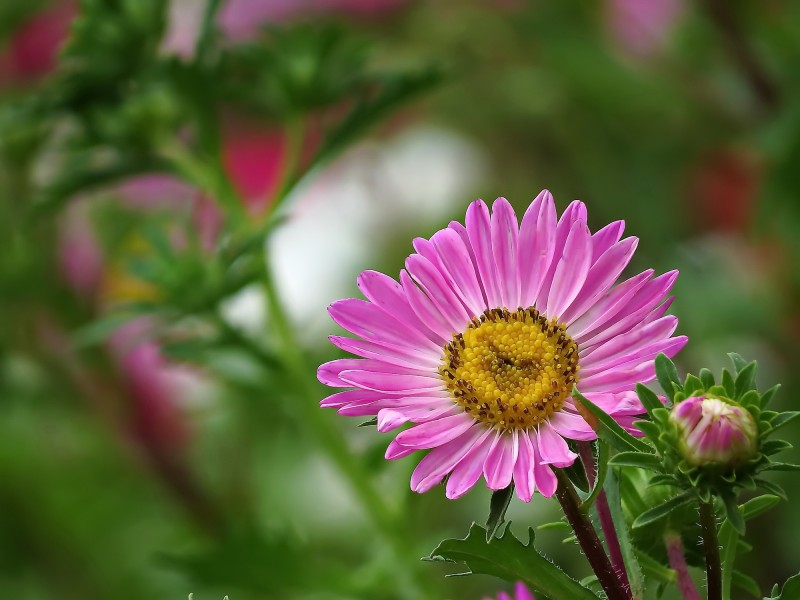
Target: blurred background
point(186, 185)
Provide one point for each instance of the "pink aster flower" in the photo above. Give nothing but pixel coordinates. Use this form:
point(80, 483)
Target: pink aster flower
point(488, 332)
point(520, 593)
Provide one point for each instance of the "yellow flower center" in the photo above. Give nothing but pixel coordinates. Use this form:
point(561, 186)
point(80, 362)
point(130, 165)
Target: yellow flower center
point(511, 370)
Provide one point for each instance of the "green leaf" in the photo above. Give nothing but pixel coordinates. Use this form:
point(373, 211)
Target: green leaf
point(652, 568)
point(756, 506)
point(667, 375)
point(774, 446)
point(635, 575)
point(577, 475)
point(692, 385)
point(609, 429)
point(508, 558)
point(728, 539)
point(735, 517)
point(640, 460)
point(649, 399)
point(371, 423)
point(746, 583)
point(791, 590)
point(602, 470)
point(497, 510)
point(773, 488)
point(745, 380)
point(780, 466)
point(663, 510)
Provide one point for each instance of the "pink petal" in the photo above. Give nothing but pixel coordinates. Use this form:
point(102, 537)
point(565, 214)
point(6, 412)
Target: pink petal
point(467, 472)
point(479, 229)
point(670, 347)
point(609, 305)
point(425, 309)
point(386, 293)
point(393, 383)
point(330, 372)
point(505, 232)
point(386, 352)
point(392, 418)
point(456, 260)
point(632, 341)
point(545, 478)
point(536, 241)
point(524, 481)
point(437, 289)
point(499, 466)
point(370, 322)
point(343, 398)
point(605, 238)
point(573, 427)
point(553, 449)
point(440, 461)
point(602, 275)
point(571, 271)
point(522, 592)
point(396, 451)
point(576, 211)
point(435, 433)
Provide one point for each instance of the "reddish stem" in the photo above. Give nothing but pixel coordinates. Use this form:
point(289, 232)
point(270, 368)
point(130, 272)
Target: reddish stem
point(677, 561)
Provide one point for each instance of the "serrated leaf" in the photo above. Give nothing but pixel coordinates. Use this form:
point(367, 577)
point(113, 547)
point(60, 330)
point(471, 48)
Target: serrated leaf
point(640, 460)
point(508, 558)
point(600, 478)
point(663, 510)
point(497, 510)
point(667, 375)
point(745, 380)
point(614, 500)
point(609, 429)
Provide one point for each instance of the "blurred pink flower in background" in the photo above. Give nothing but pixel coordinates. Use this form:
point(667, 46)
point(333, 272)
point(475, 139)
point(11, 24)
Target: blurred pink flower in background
point(33, 49)
point(80, 257)
point(641, 28)
point(520, 593)
point(253, 155)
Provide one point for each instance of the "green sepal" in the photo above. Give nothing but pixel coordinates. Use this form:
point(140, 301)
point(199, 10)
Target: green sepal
point(693, 385)
point(508, 558)
point(497, 510)
point(707, 377)
point(649, 429)
point(771, 447)
point(663, 510)
point(772, 488)
point(610, 430)
point(780, 466)
point(728, 384)
point(640, 460)
point(782, 419)
point(648, 398)
point(667, 375)
point(739, 363)
point(373, 422)
point(767, 396)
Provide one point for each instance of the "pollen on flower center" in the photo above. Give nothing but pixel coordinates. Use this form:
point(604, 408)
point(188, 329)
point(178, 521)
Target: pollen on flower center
point(511, 369)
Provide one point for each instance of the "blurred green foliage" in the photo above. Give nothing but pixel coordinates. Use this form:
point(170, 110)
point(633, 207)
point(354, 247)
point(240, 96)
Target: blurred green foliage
point(110, 489)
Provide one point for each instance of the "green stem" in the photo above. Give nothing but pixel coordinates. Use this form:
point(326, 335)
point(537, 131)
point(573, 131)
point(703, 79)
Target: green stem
point(325, 433)
point(708, 523)
point(588, 539)
point(295, 138)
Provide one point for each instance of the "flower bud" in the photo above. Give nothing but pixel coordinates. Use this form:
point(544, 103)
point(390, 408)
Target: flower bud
point(714, 431)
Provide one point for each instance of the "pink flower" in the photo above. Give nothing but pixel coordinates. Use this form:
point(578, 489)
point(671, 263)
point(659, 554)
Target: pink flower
point(714, 431)
point(641, 27)
point(486, 335)
point(520, 593)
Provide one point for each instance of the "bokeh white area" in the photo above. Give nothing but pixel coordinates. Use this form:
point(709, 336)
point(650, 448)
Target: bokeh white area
point(338, 217)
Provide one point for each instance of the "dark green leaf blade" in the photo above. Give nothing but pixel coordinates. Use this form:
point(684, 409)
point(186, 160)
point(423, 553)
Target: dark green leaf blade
point(497, 510)
point(508, 558)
